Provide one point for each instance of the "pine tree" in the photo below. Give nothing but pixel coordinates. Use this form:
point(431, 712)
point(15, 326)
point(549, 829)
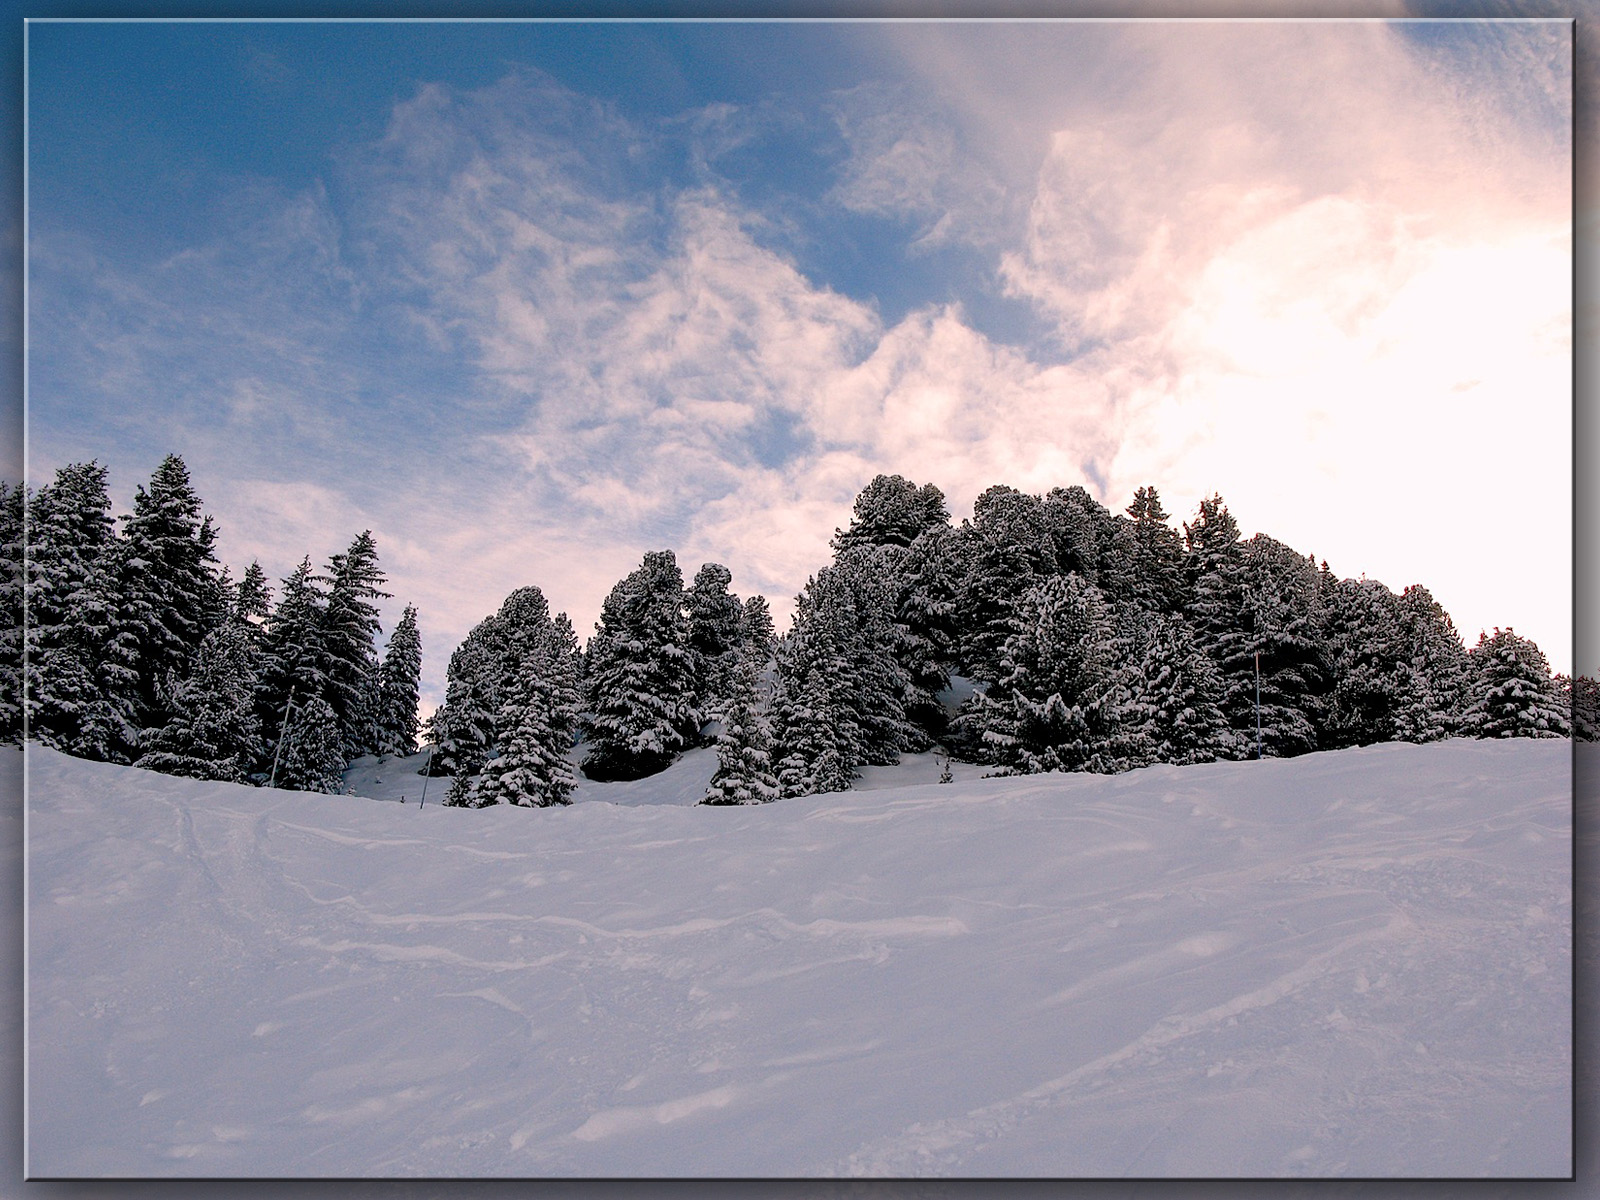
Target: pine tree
point(1007, 547)
point(82, 658)
point(643, 707)
point(716, 620)
point(462, 793)
point(1175, 699)
point(169, 583)
point(1513, 693)
point(213, 732)
point(12, 522)
point(463, 726)
point(744, 772)
point(252, 602)
point(350, 629)
point(1157, 554)
point(1584, 693)
point(534, 724)
point(1436, 692)
point(399, 679)
point(311, 758)
point(1053, 707)
point(758, 632)
point(893, 511)
point(926, 635)
point(1373, 683)
point(816, 733)
point(293, 658)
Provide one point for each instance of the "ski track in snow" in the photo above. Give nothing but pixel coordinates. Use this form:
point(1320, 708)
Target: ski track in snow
point(1345, 964)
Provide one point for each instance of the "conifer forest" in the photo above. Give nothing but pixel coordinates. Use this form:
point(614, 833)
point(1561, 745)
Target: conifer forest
point(1045, 633)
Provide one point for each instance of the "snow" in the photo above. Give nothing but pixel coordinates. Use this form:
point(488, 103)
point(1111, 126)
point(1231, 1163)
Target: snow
point(1353, 964)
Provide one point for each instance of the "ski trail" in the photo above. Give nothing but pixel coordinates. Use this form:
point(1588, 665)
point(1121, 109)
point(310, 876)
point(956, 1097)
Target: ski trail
point(948, 1145)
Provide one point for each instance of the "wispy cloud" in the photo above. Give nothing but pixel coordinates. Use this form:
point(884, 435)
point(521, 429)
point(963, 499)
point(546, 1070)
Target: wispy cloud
point(525, 337)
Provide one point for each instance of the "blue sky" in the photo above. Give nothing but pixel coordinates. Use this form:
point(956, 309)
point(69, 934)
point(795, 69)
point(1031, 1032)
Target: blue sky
point(530, 299)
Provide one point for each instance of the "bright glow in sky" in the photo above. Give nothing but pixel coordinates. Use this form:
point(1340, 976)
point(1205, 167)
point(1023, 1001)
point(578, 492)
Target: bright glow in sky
point(531, 299)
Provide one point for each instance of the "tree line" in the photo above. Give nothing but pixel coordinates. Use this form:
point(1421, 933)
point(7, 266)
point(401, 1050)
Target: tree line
point(1043, 633)
point(127, 641)
point(1085, 641)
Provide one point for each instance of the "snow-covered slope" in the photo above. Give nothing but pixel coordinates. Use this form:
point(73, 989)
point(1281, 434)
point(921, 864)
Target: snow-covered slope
point(1354, 963)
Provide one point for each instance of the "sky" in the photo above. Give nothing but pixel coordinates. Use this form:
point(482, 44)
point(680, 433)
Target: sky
point(530, 299)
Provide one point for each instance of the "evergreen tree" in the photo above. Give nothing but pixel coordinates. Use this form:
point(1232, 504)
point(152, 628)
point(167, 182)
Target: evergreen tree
point(818, 739)
point(1175, 699)
point(82, 657)
point(311, 758)
point(350, 628)
point(538, 710)
point(744, 772)
point(1054, 708)
point(462, 727)
point(170, 584)
point(893, 511)
point(1584, 694)
point(758, 632)
point(926, 634)
point(1006, 549)
point(462, 793)
point(1373, 683)
point(1436, 693)
point(715, 634)
point(1513, 693)
point(399, 679)
point(1157, 554)
point(213, 732)
point(252, 602)
point(293, 658)
point(12, 520)
point(643, 707)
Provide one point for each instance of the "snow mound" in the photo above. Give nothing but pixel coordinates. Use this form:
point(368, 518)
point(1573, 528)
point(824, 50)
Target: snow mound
point(1353, 964)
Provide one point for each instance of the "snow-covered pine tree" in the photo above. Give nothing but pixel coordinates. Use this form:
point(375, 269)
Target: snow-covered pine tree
point(1175, 698)
point(1005, 549)
point(12, 520)
point(1440, 673)
point(1157, 551)
point(213, 732)
point(1584, 693)
point(81, 675)
point(1513, 693)
point(169, 583)
point(531, 768)
point(462, 793)
point(252, 601)
point(1370, 668)
point(538, 711)
point(716, 631)
point(1052, 708)
point(893, 511)
point(758, 631)
point(817, 739)
point(350, 627)
point(399, 678)
point(642, 705)
point(1252, 598)
point(311, 758)
point(293, 660)
point(926, 635)
point(462, 728)
point(744, 773)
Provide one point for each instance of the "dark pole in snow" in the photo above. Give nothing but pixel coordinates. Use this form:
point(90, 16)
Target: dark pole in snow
point(1258, 705)
point(272, 779)
point(426, 771)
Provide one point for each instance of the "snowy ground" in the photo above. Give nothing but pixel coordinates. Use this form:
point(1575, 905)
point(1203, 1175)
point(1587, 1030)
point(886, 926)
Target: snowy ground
point(1345, 964)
